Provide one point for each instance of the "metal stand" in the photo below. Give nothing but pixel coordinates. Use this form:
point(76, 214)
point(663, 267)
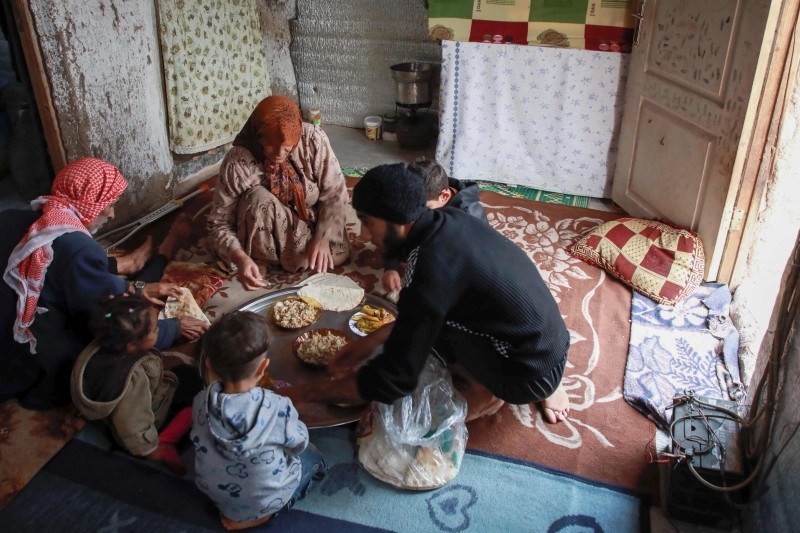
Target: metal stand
point(412, 108)
point(136, 225)
point(413, 130)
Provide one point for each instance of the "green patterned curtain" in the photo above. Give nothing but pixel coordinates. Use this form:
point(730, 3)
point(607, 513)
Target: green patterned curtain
point(214, 69)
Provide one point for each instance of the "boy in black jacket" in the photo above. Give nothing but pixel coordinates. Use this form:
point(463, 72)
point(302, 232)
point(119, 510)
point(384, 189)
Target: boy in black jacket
point(440, 191)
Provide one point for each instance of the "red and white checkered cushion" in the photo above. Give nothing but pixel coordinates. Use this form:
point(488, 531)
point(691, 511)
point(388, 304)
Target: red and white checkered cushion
point(657, 260)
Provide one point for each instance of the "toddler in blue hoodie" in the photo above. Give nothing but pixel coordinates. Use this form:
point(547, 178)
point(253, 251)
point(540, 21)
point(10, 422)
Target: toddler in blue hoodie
point(252, 453)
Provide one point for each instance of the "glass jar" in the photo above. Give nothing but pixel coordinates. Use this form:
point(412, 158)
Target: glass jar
point(389, 127)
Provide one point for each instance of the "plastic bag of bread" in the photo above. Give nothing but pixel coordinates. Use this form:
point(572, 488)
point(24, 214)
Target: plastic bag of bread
point(418, 441)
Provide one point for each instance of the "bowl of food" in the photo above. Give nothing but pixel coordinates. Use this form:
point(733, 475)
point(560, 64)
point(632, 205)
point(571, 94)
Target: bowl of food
point(318, 346)
point(295, 312)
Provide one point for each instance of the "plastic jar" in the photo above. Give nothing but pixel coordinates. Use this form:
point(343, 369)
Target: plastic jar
point(372, 127)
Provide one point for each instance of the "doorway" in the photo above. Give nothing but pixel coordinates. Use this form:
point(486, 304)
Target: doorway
point(25, 168)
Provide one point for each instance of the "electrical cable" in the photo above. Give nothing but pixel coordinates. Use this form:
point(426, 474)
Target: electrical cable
point(771, 381)
point(709, 446)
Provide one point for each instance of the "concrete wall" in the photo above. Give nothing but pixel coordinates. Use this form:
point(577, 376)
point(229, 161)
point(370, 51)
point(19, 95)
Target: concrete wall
point(102, 61)
point(777, 490)
point(757, 282)
point(275, 17)
point(760, 283)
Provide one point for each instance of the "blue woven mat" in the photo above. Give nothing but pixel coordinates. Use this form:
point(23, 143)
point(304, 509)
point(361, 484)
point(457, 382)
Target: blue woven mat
point(88, 488)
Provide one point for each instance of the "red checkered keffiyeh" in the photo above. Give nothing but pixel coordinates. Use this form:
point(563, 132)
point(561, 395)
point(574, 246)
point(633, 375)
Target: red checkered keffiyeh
point(81, 191)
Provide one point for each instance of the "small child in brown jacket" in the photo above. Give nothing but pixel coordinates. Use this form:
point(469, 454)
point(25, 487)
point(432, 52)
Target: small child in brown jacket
point(120, 378)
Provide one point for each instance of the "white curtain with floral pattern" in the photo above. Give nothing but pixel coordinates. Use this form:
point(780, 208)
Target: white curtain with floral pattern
point(546, 118)
point(215, 69)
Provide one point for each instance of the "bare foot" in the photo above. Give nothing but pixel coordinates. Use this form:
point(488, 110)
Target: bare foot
point(129, 264)
point(232, 525)
point(556, 406)
point(179, 230)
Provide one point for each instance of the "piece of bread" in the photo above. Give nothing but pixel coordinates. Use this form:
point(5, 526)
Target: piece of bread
point(334, 292)
point(185, 305)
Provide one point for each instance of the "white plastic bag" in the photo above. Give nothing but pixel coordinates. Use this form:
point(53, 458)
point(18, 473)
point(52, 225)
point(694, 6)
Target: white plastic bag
point(418, 441)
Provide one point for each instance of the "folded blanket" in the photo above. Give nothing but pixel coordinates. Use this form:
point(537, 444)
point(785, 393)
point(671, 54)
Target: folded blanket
point(692, 346)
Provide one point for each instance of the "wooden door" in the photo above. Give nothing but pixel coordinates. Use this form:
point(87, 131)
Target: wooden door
point(690, 80)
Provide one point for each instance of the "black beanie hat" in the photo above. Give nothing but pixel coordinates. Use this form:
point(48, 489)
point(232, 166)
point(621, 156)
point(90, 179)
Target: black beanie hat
point(394, 193)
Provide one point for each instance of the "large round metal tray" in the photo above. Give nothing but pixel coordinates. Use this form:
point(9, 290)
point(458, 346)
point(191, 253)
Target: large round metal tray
point(285, 366)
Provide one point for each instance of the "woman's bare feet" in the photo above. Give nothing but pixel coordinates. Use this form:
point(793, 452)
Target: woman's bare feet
point(179, 230)
point(232, 525)
point(556, 406)
point(129, 264)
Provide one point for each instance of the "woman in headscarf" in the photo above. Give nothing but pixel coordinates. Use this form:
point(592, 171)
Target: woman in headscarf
point(281, 197)
point(54, 280)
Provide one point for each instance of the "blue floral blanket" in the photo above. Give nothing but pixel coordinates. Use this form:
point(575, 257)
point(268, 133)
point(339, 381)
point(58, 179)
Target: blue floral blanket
point(691, 346)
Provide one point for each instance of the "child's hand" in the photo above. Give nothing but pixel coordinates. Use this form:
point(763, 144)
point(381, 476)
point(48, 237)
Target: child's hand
point(167, 454)
point(391, 281)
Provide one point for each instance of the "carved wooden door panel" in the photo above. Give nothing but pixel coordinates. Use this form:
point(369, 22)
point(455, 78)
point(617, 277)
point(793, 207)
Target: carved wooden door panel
point(689, 84)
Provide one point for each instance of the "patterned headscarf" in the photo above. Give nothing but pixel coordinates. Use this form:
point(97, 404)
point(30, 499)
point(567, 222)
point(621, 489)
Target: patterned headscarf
point(80, 192)
point(276, 121)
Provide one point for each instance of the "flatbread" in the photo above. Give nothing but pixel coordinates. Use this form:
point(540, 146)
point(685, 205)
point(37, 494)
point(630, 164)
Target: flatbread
point(334, 292)
point(185, 305)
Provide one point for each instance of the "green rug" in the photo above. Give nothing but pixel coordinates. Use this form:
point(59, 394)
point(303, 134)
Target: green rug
point(518, 191)
point(354, 172)
point(513, 191)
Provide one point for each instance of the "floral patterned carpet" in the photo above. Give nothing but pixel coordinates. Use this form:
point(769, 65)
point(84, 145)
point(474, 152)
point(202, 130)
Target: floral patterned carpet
point(605, 439)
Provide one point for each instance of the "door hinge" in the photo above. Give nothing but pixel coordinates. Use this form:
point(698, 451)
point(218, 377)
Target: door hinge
point(639, 16)
point(737, 219)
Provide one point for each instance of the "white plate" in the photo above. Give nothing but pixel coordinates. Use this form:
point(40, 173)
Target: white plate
point(354, 320)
